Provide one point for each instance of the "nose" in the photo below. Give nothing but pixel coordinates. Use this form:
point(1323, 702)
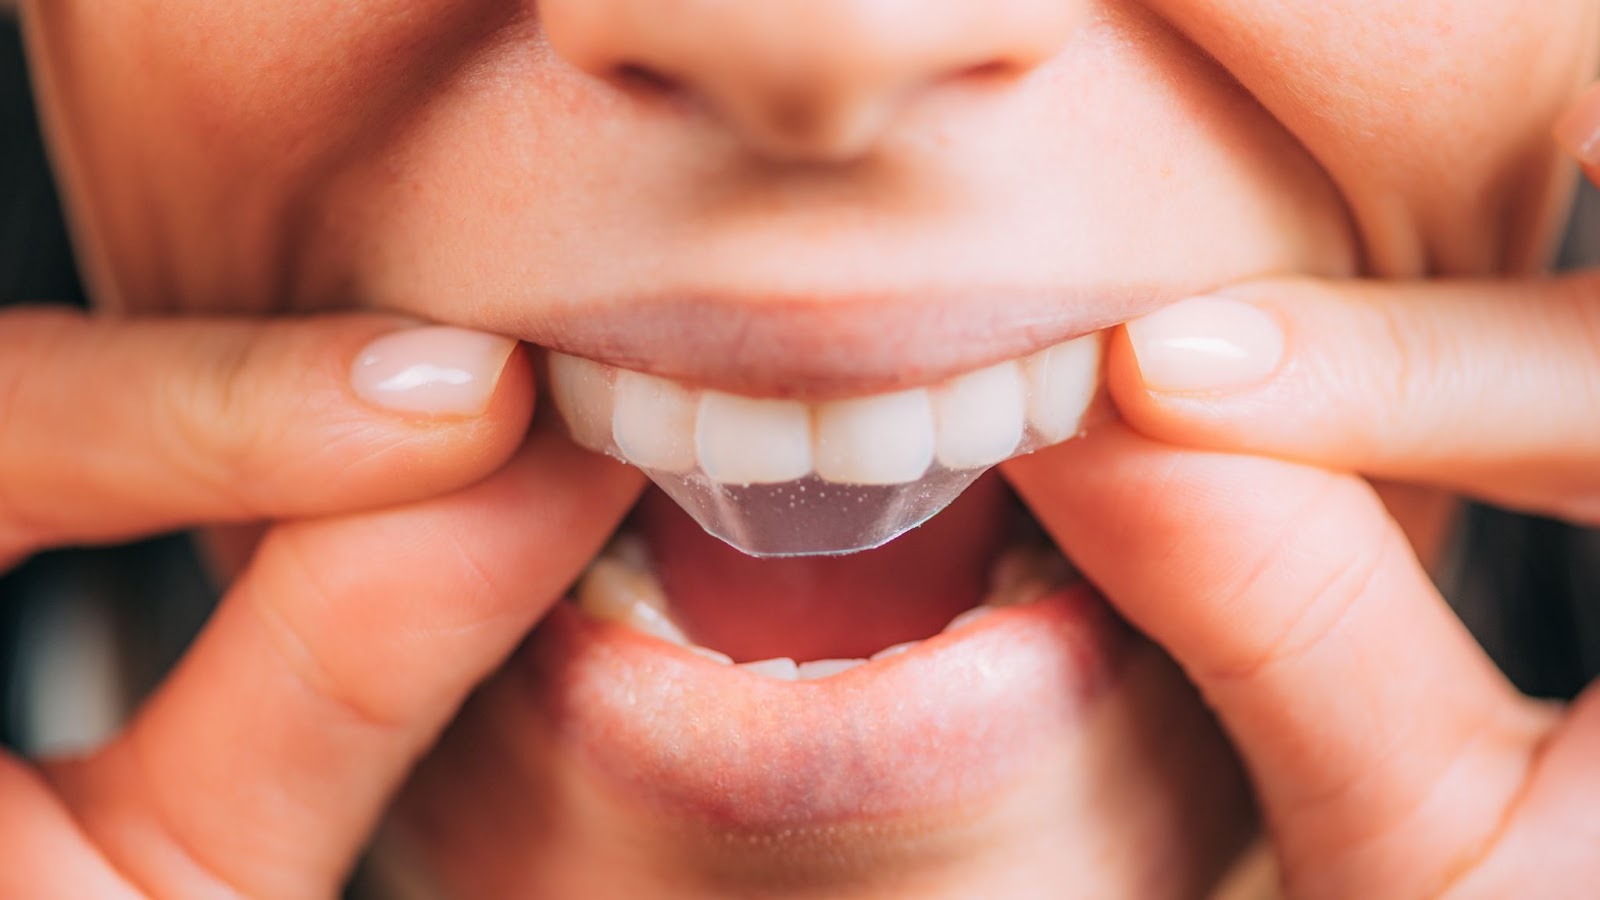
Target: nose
point(807, 79)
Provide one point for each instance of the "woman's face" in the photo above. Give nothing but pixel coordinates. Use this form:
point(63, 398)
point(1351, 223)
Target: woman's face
point(819, 199)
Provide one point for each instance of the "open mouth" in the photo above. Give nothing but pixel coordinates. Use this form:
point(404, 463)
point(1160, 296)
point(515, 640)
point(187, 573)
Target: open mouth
point(812, 618)
point(904, 683)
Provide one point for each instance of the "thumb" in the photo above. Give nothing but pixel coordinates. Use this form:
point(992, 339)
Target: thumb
point(1384, 746)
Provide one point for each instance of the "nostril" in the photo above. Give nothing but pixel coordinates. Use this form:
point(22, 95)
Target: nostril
point(993, 70)
point(639, 77)
point(805, 80)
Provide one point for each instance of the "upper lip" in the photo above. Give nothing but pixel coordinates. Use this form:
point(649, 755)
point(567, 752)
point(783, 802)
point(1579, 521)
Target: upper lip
point(820, 347)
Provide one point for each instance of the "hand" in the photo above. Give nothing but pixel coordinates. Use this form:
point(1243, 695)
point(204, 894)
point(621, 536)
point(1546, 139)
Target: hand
point(1485, 388)
point(1390, 757)
point(262, 763)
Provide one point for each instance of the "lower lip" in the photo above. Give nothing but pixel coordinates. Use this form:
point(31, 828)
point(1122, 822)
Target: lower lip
point(955, 721)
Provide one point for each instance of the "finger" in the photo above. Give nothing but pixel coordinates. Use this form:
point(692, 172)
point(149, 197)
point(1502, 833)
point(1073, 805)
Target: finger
point(1380, 739)
point(264, 761)
point(1578, 131)
point(1549, 841)
point(43, 853)
point(1491, 389)
point(114, 428)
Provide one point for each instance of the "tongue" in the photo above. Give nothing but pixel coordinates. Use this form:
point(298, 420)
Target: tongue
point(829, 607)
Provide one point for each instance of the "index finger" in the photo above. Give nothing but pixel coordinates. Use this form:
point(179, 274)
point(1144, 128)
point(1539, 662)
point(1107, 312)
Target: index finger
point(114, 428)
point(1489, 387)
point(1578, 131)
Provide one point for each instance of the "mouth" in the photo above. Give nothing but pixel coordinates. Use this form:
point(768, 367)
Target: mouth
point(760, 696)
point(785, 696)
point(784, 477)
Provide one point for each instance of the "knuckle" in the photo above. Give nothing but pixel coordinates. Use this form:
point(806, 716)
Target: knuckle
point(31, 341)
point(36, 808)
point(213, 428)
point(303, 655)
point(1421, 359)
point(1330, 578)
point(1582, 326)
point(1571, 489)
point(126, 823)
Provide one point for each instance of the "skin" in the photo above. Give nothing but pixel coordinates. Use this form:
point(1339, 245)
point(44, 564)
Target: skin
point(463, 163)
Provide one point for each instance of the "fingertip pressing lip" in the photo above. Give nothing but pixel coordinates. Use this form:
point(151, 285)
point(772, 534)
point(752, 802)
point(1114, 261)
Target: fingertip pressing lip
point(1578, 130)
point(1206, 345)
point(432, 370)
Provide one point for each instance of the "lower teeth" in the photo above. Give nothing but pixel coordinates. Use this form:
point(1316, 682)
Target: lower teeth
point(823, 668)
point(781, 669)
point(621, 586)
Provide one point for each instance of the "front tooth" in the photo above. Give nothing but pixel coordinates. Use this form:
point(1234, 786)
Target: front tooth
point(884, 439)
point(894, 650)
point(980, 416)
point(967, 618)
point(822, 668)
point(711, 654)
point(653, 422)
point(1061, 383)
point(782, 668)
point(743, 440)
point(582, 391)
point(613, 591)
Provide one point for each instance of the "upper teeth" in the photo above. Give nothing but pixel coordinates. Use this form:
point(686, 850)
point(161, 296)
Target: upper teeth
point(886, 439)
point(1058, 391)
point(621, 586)
point(653, 422)
point(982, 415)
point(968, 422)
point(743, 440)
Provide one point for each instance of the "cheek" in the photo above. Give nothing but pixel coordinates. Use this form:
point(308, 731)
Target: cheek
point(280, 78)
point(1431, 115)
point(330, 153)
point(216, 122)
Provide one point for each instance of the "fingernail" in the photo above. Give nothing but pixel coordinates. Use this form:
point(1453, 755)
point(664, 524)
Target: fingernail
point(434, 370)
point(1206, 344)
point(1578, 131)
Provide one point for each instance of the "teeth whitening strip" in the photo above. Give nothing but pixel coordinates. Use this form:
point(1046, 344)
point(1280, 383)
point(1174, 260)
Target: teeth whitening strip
point(787, 478)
